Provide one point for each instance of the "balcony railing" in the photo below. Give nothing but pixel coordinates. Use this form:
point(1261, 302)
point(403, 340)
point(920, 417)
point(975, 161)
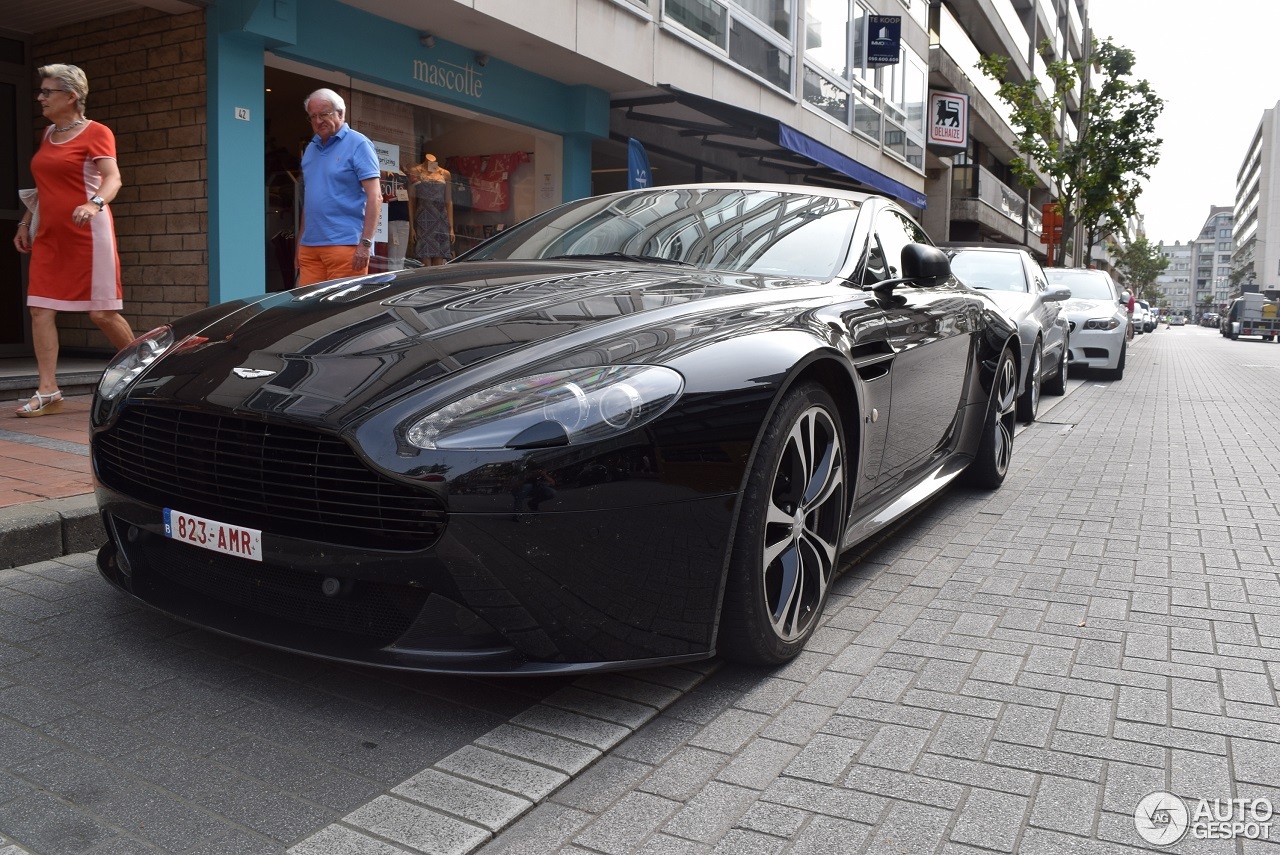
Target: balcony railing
point(978, 182)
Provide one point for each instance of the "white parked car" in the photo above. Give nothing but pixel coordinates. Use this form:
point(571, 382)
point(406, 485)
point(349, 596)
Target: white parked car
point(1139, 317)
point(1099, 318)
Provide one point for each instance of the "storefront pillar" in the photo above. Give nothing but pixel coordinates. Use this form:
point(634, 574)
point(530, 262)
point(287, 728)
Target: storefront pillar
point(238, 33)
point(577, 166)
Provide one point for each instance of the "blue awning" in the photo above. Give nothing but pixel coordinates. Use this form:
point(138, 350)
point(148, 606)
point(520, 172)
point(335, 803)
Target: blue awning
point(751, 134)
point(792, 139)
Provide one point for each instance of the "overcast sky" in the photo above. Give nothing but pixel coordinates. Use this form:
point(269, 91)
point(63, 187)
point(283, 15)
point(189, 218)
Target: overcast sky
point(1215, 66)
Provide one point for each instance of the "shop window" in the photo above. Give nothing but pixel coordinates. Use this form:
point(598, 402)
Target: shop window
point(490, 182)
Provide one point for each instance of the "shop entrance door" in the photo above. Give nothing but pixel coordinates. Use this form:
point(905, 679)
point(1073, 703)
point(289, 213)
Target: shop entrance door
point(15, 159)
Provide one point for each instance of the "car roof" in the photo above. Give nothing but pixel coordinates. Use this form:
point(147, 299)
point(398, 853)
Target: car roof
point(956, 246)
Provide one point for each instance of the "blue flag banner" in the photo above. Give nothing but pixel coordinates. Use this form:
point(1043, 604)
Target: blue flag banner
point(638, 174)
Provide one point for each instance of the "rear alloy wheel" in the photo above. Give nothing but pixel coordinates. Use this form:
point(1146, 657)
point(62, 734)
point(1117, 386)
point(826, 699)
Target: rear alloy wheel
point(1057, 384)
point(995, 449)
point(788, 534)
point(1029, 400)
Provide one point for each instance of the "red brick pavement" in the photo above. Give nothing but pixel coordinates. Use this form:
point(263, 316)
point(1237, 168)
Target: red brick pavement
point(30, 472)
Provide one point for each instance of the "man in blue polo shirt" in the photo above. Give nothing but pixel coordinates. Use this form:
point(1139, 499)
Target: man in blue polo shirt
point(341, 194)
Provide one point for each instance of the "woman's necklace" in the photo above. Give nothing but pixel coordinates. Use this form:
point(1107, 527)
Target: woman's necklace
point(60, 129)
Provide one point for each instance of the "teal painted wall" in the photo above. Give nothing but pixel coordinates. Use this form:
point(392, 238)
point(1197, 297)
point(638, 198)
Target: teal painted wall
point(320, 33)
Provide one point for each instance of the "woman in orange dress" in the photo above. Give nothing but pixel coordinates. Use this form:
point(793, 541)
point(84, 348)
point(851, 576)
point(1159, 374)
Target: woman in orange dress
point(74, 265)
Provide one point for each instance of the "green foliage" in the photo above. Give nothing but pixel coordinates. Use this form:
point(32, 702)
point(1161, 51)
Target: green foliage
point(1098, 176)
point(1141, 263)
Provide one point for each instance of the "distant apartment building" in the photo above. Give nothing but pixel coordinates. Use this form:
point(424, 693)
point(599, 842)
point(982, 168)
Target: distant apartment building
point(1255, 264)
point(1175, 282)
point(1211, 261)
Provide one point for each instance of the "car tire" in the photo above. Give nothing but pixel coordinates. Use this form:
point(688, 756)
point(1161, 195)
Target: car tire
point(1117, 373)
point(995, 448)
point(1057, 384)
point(1029, 400)
point(788, 535)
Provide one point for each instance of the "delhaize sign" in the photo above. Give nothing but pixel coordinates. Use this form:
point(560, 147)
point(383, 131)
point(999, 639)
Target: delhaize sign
point(948, 120)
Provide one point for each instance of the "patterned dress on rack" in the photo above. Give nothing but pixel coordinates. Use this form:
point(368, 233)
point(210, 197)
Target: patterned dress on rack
point(431, 219)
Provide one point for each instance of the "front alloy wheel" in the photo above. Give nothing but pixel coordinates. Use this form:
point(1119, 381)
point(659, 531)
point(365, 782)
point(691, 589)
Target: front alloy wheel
point(788, 536)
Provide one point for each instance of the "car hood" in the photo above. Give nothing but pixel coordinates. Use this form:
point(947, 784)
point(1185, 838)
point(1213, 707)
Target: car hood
point(1093, 308)
point(334, 352)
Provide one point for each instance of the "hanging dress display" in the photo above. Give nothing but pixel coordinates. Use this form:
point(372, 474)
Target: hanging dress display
point(431, 219)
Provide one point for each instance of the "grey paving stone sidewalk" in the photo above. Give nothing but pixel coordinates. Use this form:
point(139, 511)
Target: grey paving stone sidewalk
point(123, 731)
point(1014, 671)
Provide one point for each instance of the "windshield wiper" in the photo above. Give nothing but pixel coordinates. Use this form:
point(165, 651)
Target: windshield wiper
point(623, 256)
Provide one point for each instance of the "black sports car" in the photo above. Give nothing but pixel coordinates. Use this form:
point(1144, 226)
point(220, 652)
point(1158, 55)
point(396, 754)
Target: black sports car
point(634, 429)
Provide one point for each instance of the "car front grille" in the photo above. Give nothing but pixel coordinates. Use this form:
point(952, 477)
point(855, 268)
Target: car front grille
point(286, 480)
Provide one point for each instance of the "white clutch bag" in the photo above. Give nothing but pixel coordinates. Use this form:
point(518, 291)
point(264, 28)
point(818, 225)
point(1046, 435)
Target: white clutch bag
point(31, 199)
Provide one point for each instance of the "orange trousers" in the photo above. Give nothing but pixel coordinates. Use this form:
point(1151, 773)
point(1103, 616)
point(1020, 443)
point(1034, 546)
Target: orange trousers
point(319, 263)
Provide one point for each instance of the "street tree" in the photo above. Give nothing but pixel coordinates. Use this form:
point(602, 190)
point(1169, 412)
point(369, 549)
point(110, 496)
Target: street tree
point(1141, 262)
point(1097, 176)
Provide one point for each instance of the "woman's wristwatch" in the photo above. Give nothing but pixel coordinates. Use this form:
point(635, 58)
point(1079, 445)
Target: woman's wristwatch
point(99, 201)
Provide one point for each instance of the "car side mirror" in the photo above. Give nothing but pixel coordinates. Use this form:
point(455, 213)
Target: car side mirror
point(1057, 295)
point(922, 264)
point(925, 264)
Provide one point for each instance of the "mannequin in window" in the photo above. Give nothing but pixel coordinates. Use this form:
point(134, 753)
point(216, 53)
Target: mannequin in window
point(431, 206)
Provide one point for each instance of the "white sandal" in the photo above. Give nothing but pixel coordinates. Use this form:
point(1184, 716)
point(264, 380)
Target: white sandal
point(46, 405)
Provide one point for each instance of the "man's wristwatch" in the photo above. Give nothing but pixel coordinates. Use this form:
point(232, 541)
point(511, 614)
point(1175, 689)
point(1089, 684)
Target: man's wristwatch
point(367, 243)
point(99, 201)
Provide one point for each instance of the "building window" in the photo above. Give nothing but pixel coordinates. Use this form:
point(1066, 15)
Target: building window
point(749, 49)
point(826, 41)
point(756, 34)
point(705, 18)
point(825, 94)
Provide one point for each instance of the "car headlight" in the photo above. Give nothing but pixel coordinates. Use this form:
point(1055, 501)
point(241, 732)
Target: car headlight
point(1102, 323)
point(127, 365)
point(554, 408)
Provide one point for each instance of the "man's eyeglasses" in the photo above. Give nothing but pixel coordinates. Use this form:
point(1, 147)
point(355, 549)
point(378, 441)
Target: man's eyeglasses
point(326, 114)
point(47, 92)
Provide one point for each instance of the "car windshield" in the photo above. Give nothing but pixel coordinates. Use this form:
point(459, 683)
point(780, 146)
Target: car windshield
point(995, 271)
point(714, 228)
point(1084, 284)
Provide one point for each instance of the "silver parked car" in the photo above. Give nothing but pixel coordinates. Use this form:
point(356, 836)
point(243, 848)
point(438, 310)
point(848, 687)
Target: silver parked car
point(1098, 316)
point(1015, 280)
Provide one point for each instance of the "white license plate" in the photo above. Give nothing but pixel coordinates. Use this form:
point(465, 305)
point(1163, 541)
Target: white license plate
point(211, 534)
